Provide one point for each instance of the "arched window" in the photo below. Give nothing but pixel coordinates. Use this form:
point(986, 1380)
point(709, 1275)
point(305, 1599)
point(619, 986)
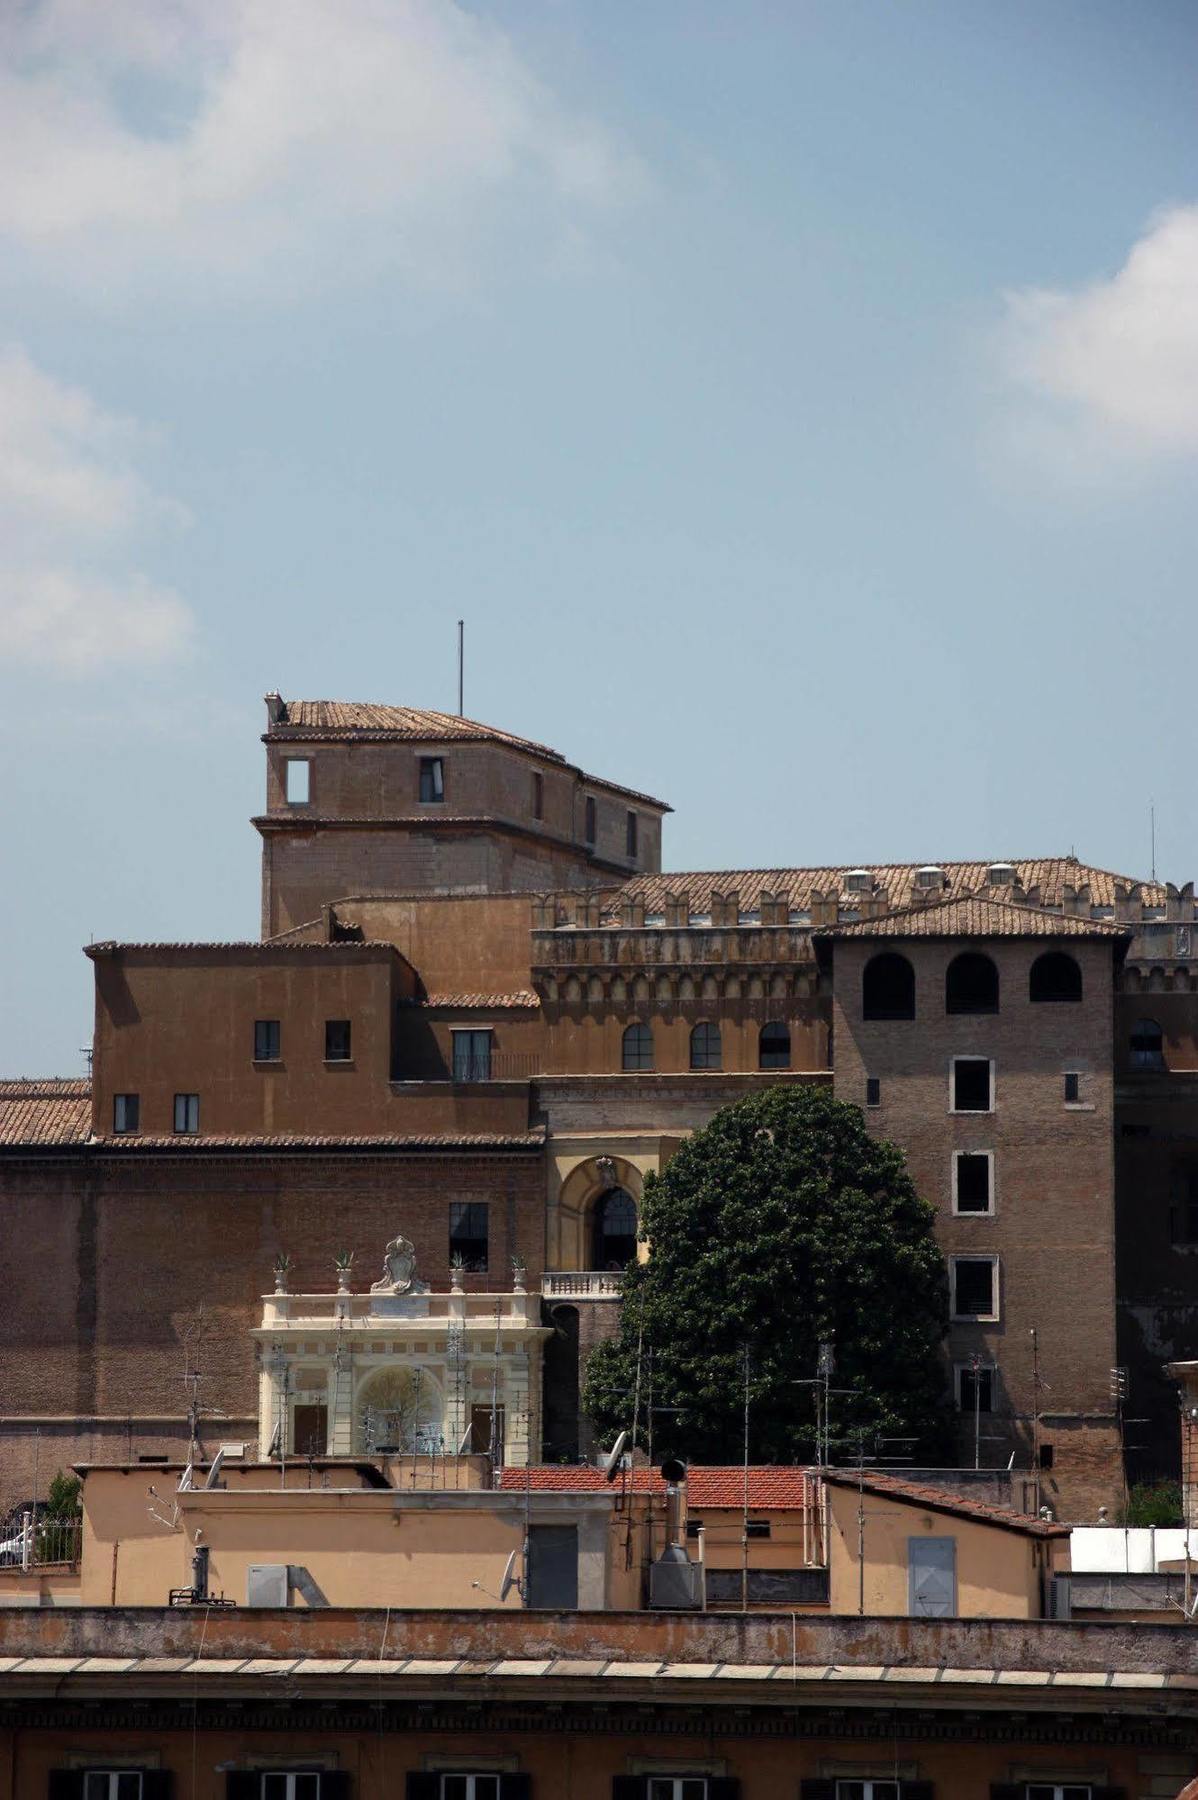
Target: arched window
point(705, 1047)
point(773, 1046)
point(638, 1047)
point(971, 984)
point(888, 988)
point(1147, 1045)
point(613, 1243)
point(1055, 976)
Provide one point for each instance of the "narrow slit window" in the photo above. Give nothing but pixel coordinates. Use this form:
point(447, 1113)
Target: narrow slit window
point(589, 822)
point(538, 796)
point(873, 1090)
point(298, 779)
point(1073, 1087)
point(630, 835)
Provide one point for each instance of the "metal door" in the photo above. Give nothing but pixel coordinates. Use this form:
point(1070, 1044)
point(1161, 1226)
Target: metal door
point(932, 1571)
point(553, 1566)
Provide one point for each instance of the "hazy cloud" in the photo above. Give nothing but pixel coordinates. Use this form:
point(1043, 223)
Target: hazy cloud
point(1113, 367)
point(71, 499)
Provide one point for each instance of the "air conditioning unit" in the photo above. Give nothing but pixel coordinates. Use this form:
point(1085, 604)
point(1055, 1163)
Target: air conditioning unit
point(268, 1584)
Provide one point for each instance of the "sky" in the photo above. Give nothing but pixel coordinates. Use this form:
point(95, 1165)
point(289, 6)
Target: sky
point(798, 401)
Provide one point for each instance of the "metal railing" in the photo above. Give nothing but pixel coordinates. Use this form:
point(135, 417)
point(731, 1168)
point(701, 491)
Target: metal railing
point(34, 1546)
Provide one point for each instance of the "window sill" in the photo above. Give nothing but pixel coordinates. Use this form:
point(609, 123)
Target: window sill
point(975, 1319)
point(975, 1212)
point(266, 1062)
point(338, 1062)
point(1080, 1106)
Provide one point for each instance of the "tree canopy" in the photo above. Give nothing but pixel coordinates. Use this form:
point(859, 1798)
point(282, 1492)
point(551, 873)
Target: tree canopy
point(782, 1224)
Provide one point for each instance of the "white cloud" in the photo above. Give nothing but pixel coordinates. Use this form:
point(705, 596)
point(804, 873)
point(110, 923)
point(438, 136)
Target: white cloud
point(70, 501)
point(224, 134)
point(1113, 367)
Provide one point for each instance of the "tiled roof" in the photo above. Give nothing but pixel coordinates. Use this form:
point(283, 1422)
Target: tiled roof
point(264, 946)
point(316, 719)
point(976, 917)
point(1049, 876)
point(522, 997)
point(709, 1489)
point(944, 1501)
point(54, 1111)
point(580, 1478)
point(188, 1143)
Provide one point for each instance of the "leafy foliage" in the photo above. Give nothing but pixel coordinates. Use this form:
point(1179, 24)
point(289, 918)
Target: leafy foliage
point(63, 1501)
point(781, 1224)
point(1154, 1503)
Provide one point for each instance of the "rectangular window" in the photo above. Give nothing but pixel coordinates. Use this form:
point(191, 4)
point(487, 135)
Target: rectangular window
point(480, 1431)
point(868, 1790)
point(432, 779)
point(1073, 1087)
point(589, 827)
point(630, 835)
point(757, 1528)
point(973, 1186)
point(281, 1785)
point(1046, 1456)
point(112, 1784)
point(338, 1040)
point(972, 1084)
point(538, 796)
point(187, 1113)
point(974, 1281)
point(126, 1113)
point(267, 1040)
point(975, 1387)
point(677, 1787)
point(1056, 1790)
point(468, 1234)
point(472, 1056)
point(693, 1527)
point(873, 1091)
point(470, 1787)
point(298, 779)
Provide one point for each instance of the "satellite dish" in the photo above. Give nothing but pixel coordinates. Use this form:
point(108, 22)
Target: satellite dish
point(509, 1577)
point(611, 1467)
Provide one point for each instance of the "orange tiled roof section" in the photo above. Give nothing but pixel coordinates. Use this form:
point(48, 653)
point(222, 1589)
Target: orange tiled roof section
point(969, 917)
point(522, 997)
point(1049, 876)
point(54, 1111)
point(770, 1489)
point(943, 1501)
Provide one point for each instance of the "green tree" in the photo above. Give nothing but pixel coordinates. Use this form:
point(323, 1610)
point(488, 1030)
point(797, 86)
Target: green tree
point(781, 1224)
point(63, 1502)
point(1154, 1503)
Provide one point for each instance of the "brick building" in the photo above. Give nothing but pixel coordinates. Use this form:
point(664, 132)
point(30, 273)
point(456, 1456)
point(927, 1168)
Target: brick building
point(479, 1014)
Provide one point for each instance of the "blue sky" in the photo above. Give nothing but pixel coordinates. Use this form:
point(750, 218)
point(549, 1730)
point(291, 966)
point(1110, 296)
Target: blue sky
point(799, 402)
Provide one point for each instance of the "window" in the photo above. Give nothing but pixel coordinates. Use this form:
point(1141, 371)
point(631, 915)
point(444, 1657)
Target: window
point(868, 1790)
point(1056, 977)
point(267, 1040)
point(930, 876)
point(705, 1047)
point(468, 1234)
point(112, 1784)
point(773, 1046)
point(1147, 1045)
point(470, 1787)
point(1073, 1087)
point(338, 1040)
point(432, 780)
point(858, 881)
point(757, 1528)
point(677, 1787)
point(297, 776)
point(589, 822)
point(1056, 1790)
point(973, 1188)
point(1046, 1458)
point(614, 1230)
point(297, 1785)
point(538, 796)
point(873, 1091)
point(975, 1387)
point(693, 1526)
point(126, 1113)
point(472, 1056)
point(974, 1283)
point(637, 1048)
point(187, 1113)
point(971, 984)
point(971, 1084)
point(888, 988)
point(630, 835)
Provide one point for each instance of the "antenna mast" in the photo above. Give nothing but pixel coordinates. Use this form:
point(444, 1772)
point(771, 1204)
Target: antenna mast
point(461, 667)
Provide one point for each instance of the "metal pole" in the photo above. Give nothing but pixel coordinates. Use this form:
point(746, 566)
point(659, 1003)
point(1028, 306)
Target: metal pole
point(977, 1410)
point(461, 667)
point(861, 1531)
point(1035, 1417)
point(744, 1541)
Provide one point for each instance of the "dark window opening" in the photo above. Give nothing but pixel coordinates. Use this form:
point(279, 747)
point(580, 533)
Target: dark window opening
point(589, 822)
point(472, 1056)
point(973, 1287)
point(267, 1040)
point(304, 1784)
point(468, 1234)
point(311, 1430)
point(126, 1113)
point(1055, 977)
point(873, 1090)
point(1046, 1456)
point(888, 988)
point(971, 984)
point(481, 1419)
point(298, 781)
point(773, 1046)
point(614, 1230)
point(975, 1388)
point(1147, 1045)
point(630, 835)
point(637, 1048)
point(971, 1084)
point(432, 779)
point(1073, 1087)
point(108, 1784)
point(337, 1040)
point(538, 796)
point(187, 1113)
point(757, 1528)
point(973, 1183)
point(706, 1051)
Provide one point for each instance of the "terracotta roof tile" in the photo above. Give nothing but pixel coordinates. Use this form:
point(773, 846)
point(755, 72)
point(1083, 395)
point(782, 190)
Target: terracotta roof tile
point(187, 1143)
point(579, 1478)
point(976, 917)
point(945, 1501)
point(264, 946)
point(522, 997)
point(712, 1489)
point(53, 1111)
